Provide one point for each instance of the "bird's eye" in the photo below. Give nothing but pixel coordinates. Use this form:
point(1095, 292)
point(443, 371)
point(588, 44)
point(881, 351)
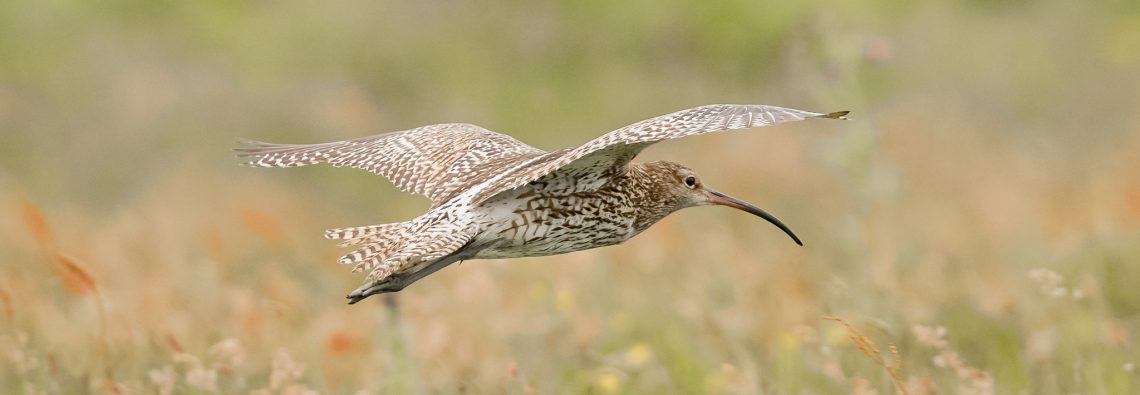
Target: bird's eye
point(690, 181)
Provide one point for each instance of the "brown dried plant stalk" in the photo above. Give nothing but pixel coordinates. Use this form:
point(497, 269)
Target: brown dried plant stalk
point(868, 348)
point(37, 224)
point(76, 279)
point(79, 281)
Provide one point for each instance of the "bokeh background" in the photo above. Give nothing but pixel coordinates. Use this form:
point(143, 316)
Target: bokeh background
point(978, 220)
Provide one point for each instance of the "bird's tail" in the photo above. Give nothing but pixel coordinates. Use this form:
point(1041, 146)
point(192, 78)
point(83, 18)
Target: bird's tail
point(398, 249)
point(361, 234)
point(377, 242)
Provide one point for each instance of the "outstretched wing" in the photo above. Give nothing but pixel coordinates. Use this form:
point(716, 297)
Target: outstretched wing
point(615, 149)
point(437, 161)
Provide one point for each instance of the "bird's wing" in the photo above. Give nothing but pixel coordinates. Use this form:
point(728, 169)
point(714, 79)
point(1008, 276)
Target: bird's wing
point(614, 149)
point(437, 161)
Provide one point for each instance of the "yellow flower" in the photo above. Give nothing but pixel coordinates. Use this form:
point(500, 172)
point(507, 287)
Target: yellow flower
point(564, 301)
point(638, 354)
point(608, 383)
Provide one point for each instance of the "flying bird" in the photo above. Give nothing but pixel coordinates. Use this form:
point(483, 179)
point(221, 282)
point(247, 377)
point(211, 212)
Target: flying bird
point(493, 196)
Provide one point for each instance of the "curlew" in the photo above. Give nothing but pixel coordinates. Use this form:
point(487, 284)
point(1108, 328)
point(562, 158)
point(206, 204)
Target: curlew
point(493, 196)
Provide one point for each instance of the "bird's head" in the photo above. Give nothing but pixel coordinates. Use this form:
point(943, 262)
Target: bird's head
point(679, 187)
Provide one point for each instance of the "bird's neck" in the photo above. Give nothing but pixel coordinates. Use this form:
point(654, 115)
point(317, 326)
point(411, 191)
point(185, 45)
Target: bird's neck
point(646, 194)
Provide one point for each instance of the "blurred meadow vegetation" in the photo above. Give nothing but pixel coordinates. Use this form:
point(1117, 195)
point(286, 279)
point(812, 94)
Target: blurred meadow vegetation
point(974, 229)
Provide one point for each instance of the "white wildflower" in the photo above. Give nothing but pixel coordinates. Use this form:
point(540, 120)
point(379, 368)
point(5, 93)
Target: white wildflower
point(934, 337)
point(229, 352)
point(165, 379)
point(1050, 283)
point(284, 369)
point(203, 379)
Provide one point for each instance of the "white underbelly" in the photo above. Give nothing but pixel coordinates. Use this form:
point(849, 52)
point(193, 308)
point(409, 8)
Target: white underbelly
point(521, 228)
point(550, 240)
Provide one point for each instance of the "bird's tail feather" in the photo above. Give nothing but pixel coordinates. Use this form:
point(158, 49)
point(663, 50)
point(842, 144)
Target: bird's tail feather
point(398, 247)
point(377, 242)
point(361, 234)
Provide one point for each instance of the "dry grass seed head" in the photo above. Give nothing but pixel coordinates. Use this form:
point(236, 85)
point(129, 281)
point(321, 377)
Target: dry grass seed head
point(76, 279)
point(37, 224)
point(174, 344)
point(974, 380)
point(868, 348)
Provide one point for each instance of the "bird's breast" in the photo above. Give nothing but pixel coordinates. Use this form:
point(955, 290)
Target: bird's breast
point(536, 224)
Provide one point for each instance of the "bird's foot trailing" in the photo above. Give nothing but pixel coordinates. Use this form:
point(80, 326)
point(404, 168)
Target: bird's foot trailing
point(397, 282)
point(390, 284)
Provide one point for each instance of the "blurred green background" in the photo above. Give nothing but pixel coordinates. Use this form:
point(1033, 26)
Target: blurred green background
point(980, 214)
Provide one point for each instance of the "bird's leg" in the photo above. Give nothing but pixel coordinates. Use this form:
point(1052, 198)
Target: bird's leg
point(432, 268)
point(396, 283)
point(390, 284)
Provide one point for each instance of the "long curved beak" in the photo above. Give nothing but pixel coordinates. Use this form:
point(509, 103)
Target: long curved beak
point(725, 200)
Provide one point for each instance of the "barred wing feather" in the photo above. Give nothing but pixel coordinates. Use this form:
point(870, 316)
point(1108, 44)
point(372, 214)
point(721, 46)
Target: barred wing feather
point(437, 161)
point(615, 149)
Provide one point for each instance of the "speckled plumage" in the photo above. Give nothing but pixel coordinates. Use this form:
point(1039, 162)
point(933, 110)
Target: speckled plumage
point(496, 197)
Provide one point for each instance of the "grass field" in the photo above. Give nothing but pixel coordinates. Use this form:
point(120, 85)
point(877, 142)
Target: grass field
point(975, 229)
